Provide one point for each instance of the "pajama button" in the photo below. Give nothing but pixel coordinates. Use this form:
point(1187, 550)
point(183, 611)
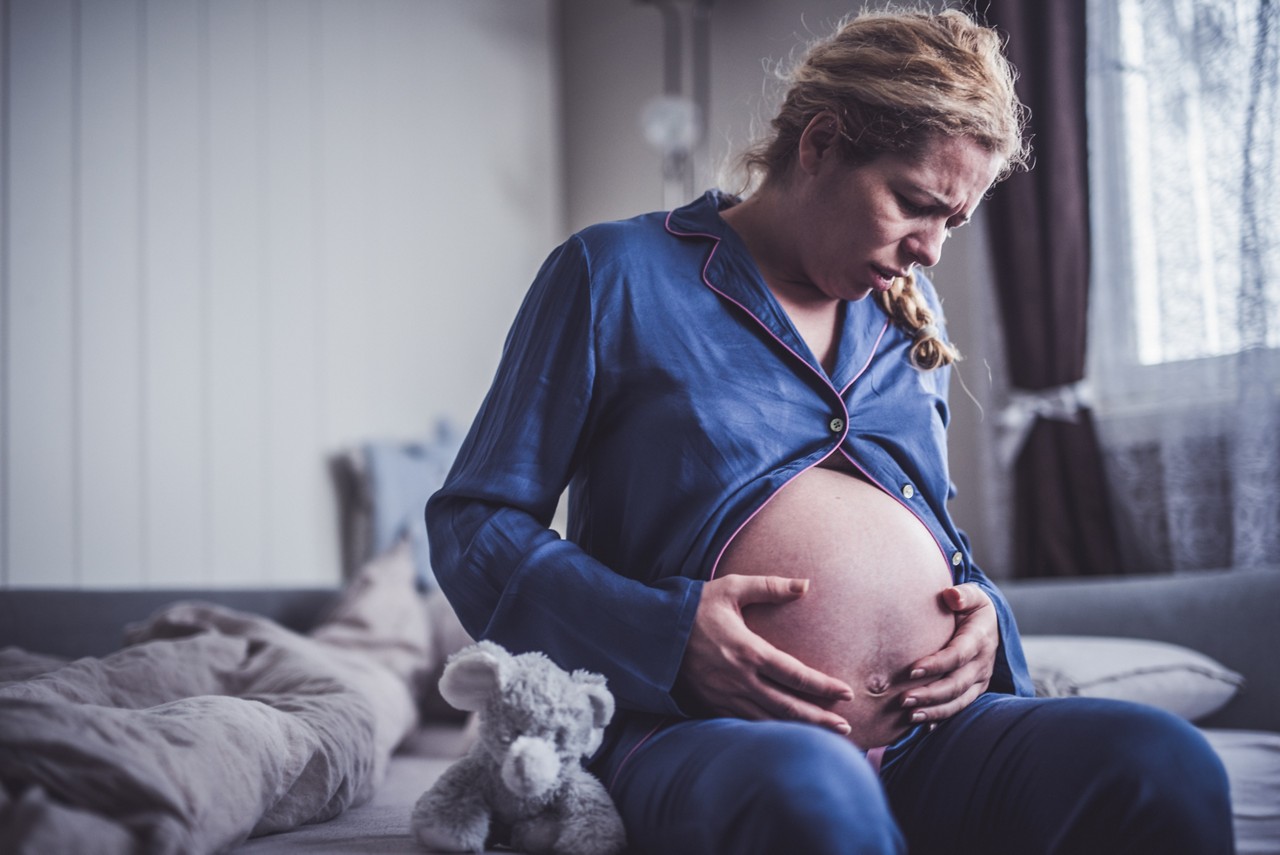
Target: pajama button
point(836, 425)
point(908, 491)
point(956, 558)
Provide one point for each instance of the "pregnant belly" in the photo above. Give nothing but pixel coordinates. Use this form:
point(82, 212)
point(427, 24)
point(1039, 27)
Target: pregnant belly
point(873, 605)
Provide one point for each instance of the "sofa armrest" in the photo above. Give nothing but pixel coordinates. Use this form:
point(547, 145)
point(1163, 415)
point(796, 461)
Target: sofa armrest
point(1232, 616)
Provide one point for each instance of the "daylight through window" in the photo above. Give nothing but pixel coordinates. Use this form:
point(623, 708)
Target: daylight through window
point(1184, 94)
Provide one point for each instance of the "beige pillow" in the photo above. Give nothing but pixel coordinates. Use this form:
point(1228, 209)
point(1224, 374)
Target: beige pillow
point(1168, 676)
point(379, 614)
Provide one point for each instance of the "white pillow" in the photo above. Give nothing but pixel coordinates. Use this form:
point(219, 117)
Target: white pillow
point(1167, 676)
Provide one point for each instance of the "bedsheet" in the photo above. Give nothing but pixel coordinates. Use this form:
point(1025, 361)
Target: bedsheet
point(381, 825)
point(211, 727)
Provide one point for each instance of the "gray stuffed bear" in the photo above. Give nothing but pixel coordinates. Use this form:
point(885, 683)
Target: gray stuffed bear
point(523, 782)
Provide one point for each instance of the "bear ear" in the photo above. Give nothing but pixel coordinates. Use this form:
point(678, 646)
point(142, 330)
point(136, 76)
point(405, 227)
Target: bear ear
point(600, 698)
point(472, 675)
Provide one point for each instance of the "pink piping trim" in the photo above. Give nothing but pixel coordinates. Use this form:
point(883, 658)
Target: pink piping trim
point(633, 750)
point(839, 393)
point(863, 370)
point(716, 565)
point(707, 282)
point(891, 494)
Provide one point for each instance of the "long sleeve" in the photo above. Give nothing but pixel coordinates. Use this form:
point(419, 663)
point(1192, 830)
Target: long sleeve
point(510, 578)
point(1010, 675)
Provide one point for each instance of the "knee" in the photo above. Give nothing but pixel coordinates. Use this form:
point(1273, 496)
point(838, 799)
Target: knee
point(1168, 775)
point(814, 792)
point(1162, 753)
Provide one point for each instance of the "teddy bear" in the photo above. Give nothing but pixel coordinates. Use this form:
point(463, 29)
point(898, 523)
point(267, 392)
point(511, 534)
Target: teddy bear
point(522, 782)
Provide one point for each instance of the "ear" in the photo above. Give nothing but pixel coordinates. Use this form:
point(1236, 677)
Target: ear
point(472, 675)
point(599, 697)
point(818, 142)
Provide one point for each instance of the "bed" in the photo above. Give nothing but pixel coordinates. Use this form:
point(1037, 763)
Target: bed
point(377, 646)
point(211, 721)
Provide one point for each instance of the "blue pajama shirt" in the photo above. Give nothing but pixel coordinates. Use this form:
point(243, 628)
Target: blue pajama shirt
point(651, 371)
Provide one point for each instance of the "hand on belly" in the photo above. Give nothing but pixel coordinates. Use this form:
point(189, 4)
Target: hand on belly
point(873, 605)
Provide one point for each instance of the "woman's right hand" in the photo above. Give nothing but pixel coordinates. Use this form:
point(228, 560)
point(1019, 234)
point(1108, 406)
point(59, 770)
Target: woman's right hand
point(728, 670)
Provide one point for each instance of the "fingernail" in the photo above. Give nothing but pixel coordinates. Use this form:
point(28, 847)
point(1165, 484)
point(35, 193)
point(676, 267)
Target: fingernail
point(917, 717)
point(799, 586)
point(844, 729)
point(909, 702)
point(917, 674)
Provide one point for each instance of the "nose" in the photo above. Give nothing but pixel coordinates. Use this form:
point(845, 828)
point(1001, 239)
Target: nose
point(924, 246)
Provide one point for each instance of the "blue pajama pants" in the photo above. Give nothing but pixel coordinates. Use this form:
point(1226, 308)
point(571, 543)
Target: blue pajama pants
point(1010, 775)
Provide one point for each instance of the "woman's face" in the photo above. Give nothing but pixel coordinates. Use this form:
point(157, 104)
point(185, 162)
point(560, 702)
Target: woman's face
point(857, 227)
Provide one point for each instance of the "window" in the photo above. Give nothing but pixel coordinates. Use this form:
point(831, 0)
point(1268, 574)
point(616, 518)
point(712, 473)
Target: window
point(1184, 127)
point(1184, 124)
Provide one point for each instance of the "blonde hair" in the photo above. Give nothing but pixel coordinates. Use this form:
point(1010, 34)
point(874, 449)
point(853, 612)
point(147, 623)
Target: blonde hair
point(894, 81)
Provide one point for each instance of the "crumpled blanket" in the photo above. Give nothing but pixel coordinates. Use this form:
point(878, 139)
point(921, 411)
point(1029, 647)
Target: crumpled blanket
point(212, 727)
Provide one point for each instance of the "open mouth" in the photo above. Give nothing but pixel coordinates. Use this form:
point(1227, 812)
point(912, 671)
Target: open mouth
point(885, 277)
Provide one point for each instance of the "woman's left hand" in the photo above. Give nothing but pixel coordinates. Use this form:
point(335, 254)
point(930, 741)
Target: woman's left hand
point(963, 668)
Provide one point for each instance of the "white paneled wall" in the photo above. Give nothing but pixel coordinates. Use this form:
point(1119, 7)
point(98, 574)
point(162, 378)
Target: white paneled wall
point(238, 236)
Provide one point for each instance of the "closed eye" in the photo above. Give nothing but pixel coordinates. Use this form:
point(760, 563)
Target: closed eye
point(911, 209)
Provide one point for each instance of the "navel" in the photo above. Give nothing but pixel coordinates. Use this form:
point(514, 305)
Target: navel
point(877, 685)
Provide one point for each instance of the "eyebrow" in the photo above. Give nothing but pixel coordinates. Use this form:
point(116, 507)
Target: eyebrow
point(944, 205)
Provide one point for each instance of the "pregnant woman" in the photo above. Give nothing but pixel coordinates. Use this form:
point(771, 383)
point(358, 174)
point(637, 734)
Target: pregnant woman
point(747, 401)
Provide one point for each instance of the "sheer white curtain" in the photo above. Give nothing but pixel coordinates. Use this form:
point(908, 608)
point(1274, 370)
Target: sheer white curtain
point(1185, 334)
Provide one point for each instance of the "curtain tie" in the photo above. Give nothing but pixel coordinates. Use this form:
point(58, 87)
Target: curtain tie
point(1060, 403)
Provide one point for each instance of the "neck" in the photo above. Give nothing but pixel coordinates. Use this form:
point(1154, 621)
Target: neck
point(764, 223)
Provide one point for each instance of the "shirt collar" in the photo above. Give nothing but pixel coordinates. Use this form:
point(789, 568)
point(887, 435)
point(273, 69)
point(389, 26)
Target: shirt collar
point(730, 271)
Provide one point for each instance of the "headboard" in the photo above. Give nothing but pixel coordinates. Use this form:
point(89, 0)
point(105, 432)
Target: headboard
point(74, 623)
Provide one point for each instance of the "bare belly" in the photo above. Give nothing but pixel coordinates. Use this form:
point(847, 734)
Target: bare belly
point(872, 608)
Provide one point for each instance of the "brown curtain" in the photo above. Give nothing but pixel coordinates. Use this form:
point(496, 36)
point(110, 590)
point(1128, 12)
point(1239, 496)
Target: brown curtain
point(1039, 222)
